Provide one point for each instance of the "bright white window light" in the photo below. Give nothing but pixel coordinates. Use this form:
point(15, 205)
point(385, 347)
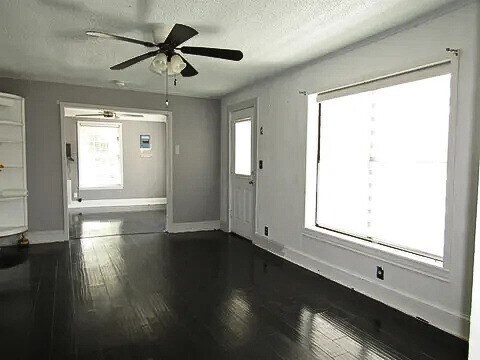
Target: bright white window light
point(382, 167)
point(100, 155)
point(243, 147)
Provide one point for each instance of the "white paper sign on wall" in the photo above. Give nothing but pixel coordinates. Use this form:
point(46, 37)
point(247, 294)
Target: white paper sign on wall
point(145, 146)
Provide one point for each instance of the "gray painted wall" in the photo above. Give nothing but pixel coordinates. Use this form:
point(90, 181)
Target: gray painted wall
point(142, 177)
point(281, 184)
point(196, 128)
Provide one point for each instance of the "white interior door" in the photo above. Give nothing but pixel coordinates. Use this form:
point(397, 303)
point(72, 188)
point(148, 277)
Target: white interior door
point(242, 172)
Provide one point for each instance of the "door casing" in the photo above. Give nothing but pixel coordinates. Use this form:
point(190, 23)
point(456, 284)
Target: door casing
point(252, 103)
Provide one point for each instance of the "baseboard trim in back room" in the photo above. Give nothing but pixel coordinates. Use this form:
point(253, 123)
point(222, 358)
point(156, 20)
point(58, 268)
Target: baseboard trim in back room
point(113, 203)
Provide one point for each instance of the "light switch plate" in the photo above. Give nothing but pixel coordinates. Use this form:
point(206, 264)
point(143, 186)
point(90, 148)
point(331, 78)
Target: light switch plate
point(177, 149)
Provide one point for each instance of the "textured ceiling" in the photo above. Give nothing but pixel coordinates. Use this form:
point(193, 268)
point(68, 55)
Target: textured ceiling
point(44, 39)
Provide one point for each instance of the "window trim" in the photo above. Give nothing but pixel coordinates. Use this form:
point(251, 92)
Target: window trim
point(418, 263)
point(437, 68)
point(120, 130)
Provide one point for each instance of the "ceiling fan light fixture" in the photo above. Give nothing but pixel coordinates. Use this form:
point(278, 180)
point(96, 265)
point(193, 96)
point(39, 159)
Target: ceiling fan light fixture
point(159, 63)
point(120, 83)
point(165, 59)
point(177, 64)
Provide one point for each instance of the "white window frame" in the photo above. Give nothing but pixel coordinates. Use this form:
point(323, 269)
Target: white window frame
point(432, 267)
point(120, 130)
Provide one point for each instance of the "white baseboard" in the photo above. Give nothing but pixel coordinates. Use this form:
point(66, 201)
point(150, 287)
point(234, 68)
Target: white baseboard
point(194, 226)
point(44, 237)
point(224, 226)
point(36, 237)
point(455, 324)
point(114, 205)
point(113, 209)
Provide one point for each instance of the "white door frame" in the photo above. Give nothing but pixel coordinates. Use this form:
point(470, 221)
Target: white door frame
point(251, 103)
point(168, 156)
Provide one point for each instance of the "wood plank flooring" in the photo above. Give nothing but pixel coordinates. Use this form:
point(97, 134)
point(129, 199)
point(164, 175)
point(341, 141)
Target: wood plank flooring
point(207, 295)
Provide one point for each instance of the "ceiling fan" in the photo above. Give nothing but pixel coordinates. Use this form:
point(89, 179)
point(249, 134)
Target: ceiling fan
point(108, 114)
point(167, 60)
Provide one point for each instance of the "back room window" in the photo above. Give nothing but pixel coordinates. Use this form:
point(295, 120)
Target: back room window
point(382, 162)
point(100, 155)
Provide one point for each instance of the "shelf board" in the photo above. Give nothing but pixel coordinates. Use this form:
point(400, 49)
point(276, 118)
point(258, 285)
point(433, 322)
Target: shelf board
point(12, 230)
point(13, 194)
point(9, 122)
point(12, 167)
point(12, 198)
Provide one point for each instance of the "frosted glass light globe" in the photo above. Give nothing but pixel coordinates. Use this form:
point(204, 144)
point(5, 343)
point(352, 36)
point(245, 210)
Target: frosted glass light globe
point(177, 64)
point(159, 63)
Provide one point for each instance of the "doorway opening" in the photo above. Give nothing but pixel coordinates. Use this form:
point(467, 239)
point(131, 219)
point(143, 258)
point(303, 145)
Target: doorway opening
point(116, 170)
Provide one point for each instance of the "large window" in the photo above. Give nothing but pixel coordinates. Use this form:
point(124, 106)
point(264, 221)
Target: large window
point(382, 161)
point(100, 155)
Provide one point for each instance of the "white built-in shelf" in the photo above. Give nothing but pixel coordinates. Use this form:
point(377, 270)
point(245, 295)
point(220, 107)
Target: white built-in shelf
point(9, 122)
point(13, 176)
point(12, 230)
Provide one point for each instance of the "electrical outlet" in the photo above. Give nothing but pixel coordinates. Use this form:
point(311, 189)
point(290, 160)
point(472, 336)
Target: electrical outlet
point(380, 273)
point(266, 231)
point(260, 164)
point(75, 195)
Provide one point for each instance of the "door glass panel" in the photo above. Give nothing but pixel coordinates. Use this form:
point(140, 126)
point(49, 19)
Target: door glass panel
point(243, 147)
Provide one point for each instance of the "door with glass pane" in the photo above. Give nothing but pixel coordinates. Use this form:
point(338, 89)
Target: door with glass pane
point(242, 172)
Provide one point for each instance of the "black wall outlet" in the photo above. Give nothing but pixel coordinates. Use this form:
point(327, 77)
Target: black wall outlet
point(266, 230)
point(380, 273)
point(260, 164)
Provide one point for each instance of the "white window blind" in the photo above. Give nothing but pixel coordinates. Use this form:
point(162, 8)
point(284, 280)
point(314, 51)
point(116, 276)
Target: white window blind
point(100, 155)
point(382, 166)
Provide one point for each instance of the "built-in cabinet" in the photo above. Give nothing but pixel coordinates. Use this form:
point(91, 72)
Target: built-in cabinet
point(13, 174)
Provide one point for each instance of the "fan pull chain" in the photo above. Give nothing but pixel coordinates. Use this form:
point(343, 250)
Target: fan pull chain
point(166, 88)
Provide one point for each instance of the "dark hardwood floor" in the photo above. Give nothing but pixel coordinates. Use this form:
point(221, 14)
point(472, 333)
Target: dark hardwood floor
point(83, 225)
point(205, 295)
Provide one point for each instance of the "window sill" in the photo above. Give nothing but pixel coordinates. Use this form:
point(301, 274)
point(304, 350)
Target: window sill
point(413, 262)
point(119, 187)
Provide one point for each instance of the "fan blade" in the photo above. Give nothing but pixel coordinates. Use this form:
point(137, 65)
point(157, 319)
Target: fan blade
point(189, 69)
point(103, 35)
point(179, 34)
point(134, 60)
point(131, 115)
point(89, 115)
point(227, 54)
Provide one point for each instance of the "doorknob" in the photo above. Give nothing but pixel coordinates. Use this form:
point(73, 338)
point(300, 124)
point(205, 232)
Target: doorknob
point(251, 182)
